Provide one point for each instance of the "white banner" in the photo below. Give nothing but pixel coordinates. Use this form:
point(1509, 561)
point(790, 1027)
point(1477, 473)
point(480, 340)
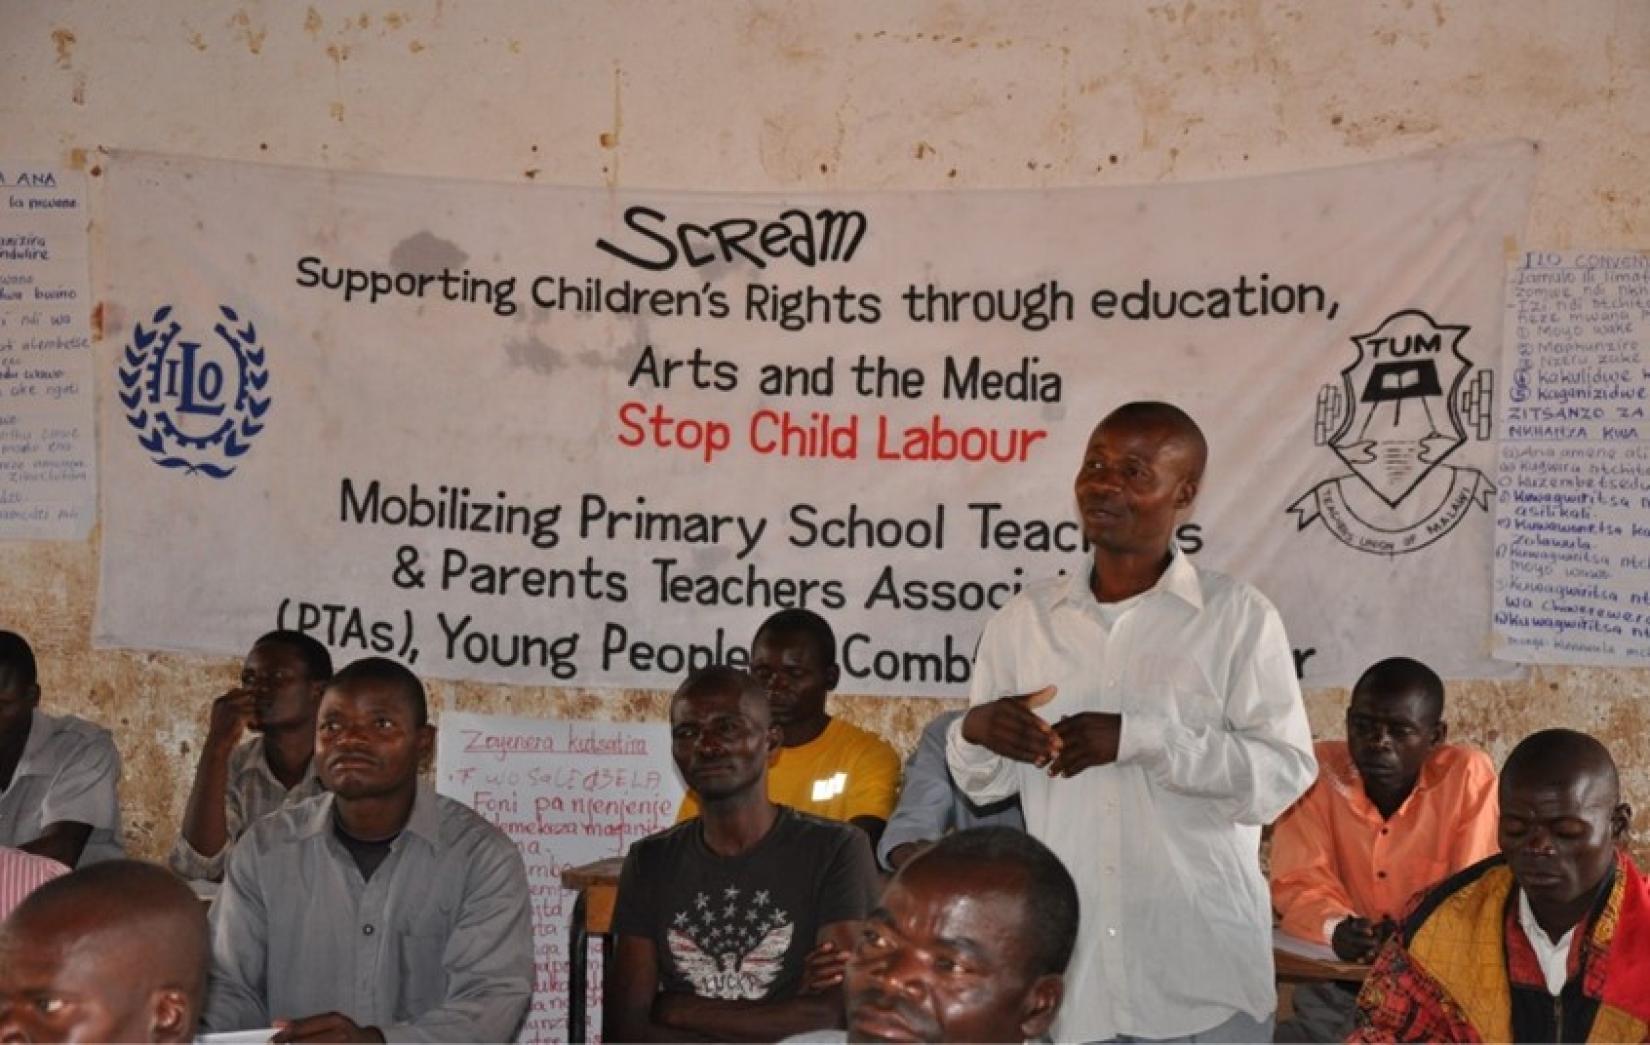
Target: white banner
point(558, 436)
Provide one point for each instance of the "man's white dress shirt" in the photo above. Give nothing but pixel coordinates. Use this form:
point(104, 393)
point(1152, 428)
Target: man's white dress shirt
point(1175, 928)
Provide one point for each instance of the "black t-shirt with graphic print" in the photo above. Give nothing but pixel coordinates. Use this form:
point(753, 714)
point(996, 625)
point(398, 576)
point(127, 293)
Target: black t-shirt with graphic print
point(739, 927)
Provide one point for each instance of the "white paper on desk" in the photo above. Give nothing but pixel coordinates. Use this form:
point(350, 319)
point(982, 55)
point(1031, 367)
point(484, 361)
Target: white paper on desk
point(237, 1037)
point(1322, 952)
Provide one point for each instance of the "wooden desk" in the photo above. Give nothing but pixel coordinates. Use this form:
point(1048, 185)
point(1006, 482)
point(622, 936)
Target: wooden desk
point(598, 888)
point(1296, 968)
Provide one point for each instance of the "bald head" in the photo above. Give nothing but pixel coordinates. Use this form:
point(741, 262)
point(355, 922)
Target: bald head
point(122, 945)
point(1175, 424)
point(1560, 759)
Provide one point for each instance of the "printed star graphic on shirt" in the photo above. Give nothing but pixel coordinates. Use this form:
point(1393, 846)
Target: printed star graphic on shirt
point(725, 956)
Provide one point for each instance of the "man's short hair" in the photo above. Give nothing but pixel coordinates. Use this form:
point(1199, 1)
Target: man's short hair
point(389, 672)
point(130, 896)
point(17, 657)
point(803, 622)
point(317, 661)
point(722, 678)
point(1167, 415)
point(1549, 756)
point(1050, 894)
point(1403, 675)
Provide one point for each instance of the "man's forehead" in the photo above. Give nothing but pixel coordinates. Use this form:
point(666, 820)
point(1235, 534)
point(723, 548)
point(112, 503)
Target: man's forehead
point(786, 645)
point(710, 704)
point(1139, 435)
point(1402, 705)
point(365, 694)
point(1557, 794)
point(951, 893)
point(275, 651)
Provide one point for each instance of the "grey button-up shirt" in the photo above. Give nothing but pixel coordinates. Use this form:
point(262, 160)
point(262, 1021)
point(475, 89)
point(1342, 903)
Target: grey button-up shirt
point(70, 771)
point(253, 794)
point(931, 805)
point(438, 946)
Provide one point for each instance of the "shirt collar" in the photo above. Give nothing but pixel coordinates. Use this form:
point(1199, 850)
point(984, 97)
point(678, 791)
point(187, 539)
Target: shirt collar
point(1179, 580)
point(258, 763)
point(425, 821)
point(42, 727)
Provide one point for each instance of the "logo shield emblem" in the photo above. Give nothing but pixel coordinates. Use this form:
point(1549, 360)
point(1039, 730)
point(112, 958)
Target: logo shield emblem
point(1407, 402)
point(1404, 419)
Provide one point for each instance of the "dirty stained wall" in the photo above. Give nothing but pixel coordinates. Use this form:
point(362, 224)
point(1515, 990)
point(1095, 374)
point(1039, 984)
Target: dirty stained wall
point(925, 94)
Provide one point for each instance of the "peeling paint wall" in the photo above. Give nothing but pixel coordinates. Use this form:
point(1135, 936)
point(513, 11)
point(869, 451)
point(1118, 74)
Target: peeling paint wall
point(813, 96)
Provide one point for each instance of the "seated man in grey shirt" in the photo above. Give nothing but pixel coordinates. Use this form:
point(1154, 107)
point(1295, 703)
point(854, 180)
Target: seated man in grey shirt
point(931, 805)
point(239, 781)
point(59, 775)
point(379, 911)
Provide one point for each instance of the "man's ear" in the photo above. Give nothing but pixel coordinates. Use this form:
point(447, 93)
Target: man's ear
point(1621, 818)
point(170, 1017)
point(426, 745)
point(833, 675)
point(1440, 733)
point(1187, 493)
point(776, 741)
point(31, 696)
point(1040, 1005)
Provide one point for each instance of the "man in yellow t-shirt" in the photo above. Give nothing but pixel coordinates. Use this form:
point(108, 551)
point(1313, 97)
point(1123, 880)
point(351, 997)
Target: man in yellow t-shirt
point(827, 767)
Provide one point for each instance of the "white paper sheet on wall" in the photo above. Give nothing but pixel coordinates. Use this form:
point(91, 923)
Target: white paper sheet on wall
point(1572, 548)
point(48, 478)
point(568, 794)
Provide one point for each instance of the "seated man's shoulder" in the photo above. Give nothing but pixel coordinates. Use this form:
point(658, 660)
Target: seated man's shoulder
point(1462, 760)
point(288, 825)
point(76, 734)
point(862, 743)
point(805, 832)
point(464, 828)
point(667, 843)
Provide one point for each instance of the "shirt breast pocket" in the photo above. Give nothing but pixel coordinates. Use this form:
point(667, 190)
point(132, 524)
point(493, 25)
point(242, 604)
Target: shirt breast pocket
point(1184, 697)
point(423, 973)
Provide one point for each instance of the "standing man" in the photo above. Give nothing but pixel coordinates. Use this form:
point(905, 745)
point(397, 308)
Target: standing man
point(380, 910)
point(716, 916)
point(237, 782)
point(827, 767)
point(59, 775)
point(1147, 713)
point(1395, 810)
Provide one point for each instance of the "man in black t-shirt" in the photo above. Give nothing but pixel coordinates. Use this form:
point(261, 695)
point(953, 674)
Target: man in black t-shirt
point(716, 916)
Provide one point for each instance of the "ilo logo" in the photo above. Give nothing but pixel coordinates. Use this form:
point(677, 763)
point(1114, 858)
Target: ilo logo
point(196, 404)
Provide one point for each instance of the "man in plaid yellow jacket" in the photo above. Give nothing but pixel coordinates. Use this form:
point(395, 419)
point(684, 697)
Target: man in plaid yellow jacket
point(1547, 941)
